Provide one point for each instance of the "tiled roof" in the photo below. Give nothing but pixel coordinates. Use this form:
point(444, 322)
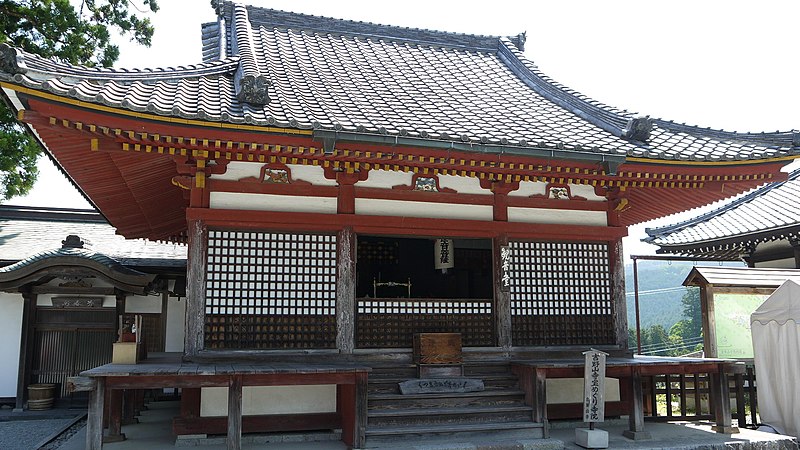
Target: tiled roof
point(769, 212)
point(354, 79)
point(26, 231)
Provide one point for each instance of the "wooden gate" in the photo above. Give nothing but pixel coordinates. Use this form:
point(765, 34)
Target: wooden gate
point(70, 340)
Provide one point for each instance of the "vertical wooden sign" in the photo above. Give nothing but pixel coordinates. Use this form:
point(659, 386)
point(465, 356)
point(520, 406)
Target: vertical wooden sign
point(594, 384)
point(505, 268)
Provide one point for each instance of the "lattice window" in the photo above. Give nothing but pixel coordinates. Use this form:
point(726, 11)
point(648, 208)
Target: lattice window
point(561, 294)
point(270, 290)
point(384, 322)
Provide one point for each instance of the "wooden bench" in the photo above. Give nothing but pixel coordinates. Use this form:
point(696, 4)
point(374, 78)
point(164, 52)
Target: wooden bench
point(533, 375)
point(167, 371)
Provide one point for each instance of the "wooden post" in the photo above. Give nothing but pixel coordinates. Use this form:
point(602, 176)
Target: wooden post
point(636, 415)
point(345, 290)
point(25, 347)
point(539, 393)
point(196, 287)
point(235, 413)
point(352, 406)
point(722, 402)
point(502, 303)
point(709, 323)
point(617, 268)
point(94, 421)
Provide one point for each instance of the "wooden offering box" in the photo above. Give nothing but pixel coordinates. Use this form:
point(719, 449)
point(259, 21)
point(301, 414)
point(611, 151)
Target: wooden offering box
point(437, 348)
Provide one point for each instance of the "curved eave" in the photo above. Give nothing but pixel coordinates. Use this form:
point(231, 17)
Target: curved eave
point(44, 269)
point(728, 243)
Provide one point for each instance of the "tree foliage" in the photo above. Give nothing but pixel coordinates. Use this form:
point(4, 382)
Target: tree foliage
point(55, 29)
point(684, 337)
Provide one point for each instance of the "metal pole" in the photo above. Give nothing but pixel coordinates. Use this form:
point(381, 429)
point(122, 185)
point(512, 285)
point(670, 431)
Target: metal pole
point(636, 306)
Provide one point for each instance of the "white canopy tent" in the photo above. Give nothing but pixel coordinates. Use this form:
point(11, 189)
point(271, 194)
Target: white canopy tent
point(775, 327)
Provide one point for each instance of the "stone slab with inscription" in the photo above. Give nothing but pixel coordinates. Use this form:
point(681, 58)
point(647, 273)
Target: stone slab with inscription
point(440, 385)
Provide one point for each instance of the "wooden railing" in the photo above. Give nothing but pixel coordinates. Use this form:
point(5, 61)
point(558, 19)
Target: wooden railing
point(392, 322)
point(687, 397)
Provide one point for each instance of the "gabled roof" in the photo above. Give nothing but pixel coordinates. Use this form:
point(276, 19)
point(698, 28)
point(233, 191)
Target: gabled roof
point(360, 81)
point(764, 214)
point(28, 231)
point(744, 277)
point(74, 261)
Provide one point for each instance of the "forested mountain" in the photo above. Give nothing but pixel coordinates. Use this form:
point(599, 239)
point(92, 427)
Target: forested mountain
point(660, 292)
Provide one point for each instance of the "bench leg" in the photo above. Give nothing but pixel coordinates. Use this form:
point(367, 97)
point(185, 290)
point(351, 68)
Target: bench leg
point(94, 421)
point(115, 433)
point(636, 415)
point(722, 402)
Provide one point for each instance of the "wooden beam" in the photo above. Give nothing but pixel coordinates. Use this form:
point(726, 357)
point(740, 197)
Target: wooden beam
point(345, 290)
point(721, 400)
point(81, 384)
point(58, 290)
point(196, 287)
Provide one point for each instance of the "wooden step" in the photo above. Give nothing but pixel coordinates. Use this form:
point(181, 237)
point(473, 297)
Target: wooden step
point(430, 416)
point(444, 400)
point(490, 382)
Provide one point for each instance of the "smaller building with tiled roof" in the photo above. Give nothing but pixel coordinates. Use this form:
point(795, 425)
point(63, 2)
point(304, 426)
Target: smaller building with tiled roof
point(762, 227)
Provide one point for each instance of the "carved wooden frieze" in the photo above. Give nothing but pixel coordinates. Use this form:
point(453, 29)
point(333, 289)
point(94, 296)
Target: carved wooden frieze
point(77, 302)
point(554, 191)
point(273, 173)
point(425, 183)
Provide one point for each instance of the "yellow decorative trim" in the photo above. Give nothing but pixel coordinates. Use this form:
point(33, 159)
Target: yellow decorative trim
point(153, 117)
point(21, 115)
point(94, 144)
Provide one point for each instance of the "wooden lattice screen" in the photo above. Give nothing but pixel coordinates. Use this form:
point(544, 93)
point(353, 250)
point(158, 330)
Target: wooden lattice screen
point(561, 294)
point(392, 322)
point(270, 290)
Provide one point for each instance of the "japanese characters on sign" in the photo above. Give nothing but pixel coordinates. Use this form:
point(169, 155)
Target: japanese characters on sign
point(594, 381)
point(505, 268)
point(443, 254)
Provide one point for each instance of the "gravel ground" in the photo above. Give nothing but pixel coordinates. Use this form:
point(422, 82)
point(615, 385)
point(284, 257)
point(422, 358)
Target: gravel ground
point(28, 434)
point(64, 436)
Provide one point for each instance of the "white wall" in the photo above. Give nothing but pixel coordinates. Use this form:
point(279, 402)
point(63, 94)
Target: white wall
point(271, 400)
point(10, 335)
point(140, 304)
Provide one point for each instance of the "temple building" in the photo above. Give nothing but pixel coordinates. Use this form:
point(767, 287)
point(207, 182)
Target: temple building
point(343, 187)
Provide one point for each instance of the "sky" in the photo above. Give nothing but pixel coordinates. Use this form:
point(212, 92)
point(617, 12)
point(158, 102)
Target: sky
point(731, 65)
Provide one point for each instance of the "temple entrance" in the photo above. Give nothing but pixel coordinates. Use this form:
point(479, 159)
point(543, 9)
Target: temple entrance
point(401, 290)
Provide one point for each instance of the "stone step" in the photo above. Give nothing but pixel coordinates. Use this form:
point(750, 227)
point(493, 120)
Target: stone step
point(430, 416)
point(392, 436)
point(484, 398)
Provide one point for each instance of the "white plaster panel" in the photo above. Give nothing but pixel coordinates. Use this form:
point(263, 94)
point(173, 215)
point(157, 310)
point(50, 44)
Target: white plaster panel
point(557, 216)
point(237, 170)
point(10, 335)
point(528, 188)
point(258, 400)
point(312, 174)
point(176, 324)
point(271, 202)
point(570, 390)
point(139, 304)
point(386, 179)
point(463, 185)
point(379, 207)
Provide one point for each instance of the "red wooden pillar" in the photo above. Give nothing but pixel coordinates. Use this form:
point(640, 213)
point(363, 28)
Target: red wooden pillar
point(196, 287)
